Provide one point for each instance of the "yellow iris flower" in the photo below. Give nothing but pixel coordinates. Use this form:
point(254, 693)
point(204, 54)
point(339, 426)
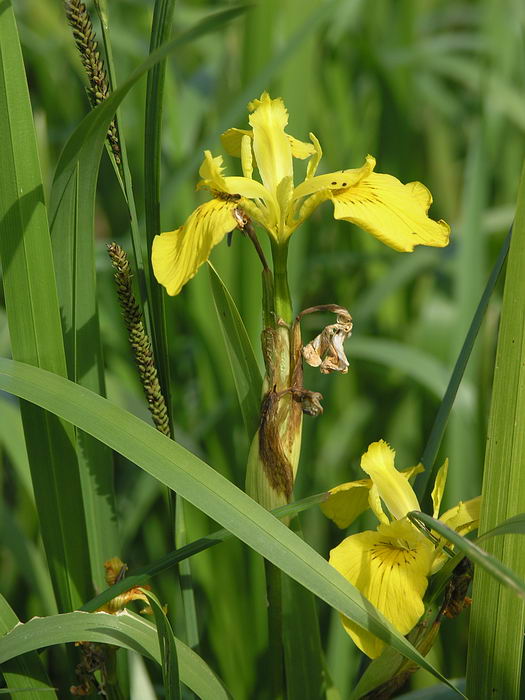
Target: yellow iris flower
point(393, 212)
point(390, 565)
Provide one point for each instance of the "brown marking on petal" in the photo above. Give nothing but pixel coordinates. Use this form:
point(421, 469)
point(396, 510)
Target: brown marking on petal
point(225, 196)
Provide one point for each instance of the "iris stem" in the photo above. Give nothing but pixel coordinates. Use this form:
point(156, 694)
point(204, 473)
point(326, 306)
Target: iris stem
point(283, 302)
point(275, 630)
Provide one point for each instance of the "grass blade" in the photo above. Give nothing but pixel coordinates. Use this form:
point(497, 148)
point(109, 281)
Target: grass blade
point(34, 323)
point(125, 630)
point(168, 650)
point(245, 370)
point(511, 526)
point(160, 33)
point(204, 487)
point(25, 673)
point(496, 640)
point(424, 481)
point(497, 569)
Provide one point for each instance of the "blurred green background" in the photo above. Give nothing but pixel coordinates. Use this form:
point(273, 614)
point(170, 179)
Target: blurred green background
point(434, 91)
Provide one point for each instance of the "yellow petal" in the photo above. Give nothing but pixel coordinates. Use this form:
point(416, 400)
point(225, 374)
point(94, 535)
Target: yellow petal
point(390, 567)
point(247, 157)
point(463, 518)
point(271, 145)
point(334, 181)
point(395, 213)
point(211, 173)
point(318, 154)
point(392, 486)
point(301, 149)
point(412, 471)
point(439, 487)
point(346, 502)
point(232, 139)
point(376, 506)
point(177, 255)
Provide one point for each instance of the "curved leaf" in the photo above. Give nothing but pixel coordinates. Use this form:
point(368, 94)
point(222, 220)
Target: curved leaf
point(205, 488)
point(511, 526)
point(479, 556)
point(125, 630)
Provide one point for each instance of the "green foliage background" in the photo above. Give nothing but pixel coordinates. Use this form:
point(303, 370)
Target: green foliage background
point(434, 91)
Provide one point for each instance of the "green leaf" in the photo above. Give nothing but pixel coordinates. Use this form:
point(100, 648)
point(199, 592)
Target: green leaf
point(72, 226)
point(168, 649)
point(434, 692)
point(497, 569)
point(125, 630)
point(425, 481)
point(496, 640)
point(207, 489)
point(511, 526)
point(160, 32)
point(12, 440)
point(25, 674)
point(34, 325)
point(144, 575)
point(245, 370)
point(303, 653)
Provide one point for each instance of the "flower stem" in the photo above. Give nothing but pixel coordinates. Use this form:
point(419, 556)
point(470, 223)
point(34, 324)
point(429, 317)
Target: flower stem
point(283, 302)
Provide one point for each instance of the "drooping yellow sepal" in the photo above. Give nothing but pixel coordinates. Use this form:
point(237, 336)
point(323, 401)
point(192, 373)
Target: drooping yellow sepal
point(177, 255)
point(394, 213)
point(390, 567)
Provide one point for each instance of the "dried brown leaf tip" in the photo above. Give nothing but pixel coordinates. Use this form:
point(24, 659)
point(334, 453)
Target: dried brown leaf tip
point(326, 350)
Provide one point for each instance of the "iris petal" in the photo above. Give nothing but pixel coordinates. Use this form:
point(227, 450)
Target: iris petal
point(177, 255)
point(390, 567)
point(392, 486)
point(347, 501)
point(232, 138)
point(271, 145)
point(394, 213)
point(335, 181)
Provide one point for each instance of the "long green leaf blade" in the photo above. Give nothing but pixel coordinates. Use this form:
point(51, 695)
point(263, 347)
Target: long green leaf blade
point(23, 674)
point(245, 370)
point(144, 575)
point(496, 640)
point(34, 323)
point(497, 569)
point(168, 649)
point(125, 630)
point(208, 490)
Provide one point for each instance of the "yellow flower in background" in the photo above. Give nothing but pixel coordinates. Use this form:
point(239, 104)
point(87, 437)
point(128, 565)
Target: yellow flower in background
point(393, 212)
point(390, 565)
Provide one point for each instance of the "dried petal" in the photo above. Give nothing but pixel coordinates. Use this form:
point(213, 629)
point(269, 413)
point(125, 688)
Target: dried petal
point(326, 350)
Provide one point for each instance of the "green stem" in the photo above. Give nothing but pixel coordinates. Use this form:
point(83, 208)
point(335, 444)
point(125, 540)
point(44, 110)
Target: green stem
point(275, 630)
point(282, 300)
